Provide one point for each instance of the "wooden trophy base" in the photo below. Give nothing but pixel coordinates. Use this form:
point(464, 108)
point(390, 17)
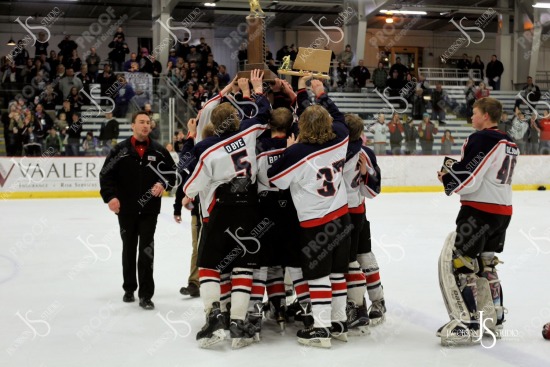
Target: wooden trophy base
point(302, 73)
point(269, 76)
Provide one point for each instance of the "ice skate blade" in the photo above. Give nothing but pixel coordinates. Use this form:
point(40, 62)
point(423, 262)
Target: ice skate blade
point(257, 337)
point(217, 336)
point(359, 331)
point(316, 342)
point(343, 337)
point(237, 343)
point(453, 341)
point(377, 321)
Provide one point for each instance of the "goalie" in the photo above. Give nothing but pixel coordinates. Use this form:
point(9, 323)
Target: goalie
point(467, 266)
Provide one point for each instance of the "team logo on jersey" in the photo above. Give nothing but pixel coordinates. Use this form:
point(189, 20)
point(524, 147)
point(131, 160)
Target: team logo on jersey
point(282, 203)
point(235, 145)
point(152, 158)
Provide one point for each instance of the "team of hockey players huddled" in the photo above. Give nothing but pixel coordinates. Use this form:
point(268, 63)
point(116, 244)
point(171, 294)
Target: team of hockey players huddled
point(282, 177)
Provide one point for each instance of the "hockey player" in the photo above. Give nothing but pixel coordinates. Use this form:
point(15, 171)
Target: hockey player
point(362, 178)
point(312, 169)
point(467, 268)
point(224, 168)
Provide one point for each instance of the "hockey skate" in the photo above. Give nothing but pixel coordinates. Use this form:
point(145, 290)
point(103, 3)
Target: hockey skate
point(301, 312)
point(255, 319)
point(358, 319)
point(377, 312)
point(212, 332)
point(227, 316)
point(339, 331)
point(275, 310)
point(455, 332)
point(242, 333)
point(314, 337)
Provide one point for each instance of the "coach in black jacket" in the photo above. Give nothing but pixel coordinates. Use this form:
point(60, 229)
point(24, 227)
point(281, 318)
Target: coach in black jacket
point(133, 178)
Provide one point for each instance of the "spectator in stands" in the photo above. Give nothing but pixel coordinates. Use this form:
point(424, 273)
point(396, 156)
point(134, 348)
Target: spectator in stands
point(204, 49)
point(61, 121)
point(41, 45)
point(533, 135)
point(45, 64)
point(194, 55)
point(439, 102)
point(178, 141)
point(464, 63)
point(395, 127)
point(426, 132)
point(73, 62)
point(109, 129)
point(419, 104)
point(447, 142)
point(122, 100)
point(118, 53)
point(106, 80)
point(42, 118)
point(73, 132)
point(478, 65)
point(346, 56)
point(342, 74)
point(505, 124)
point(52, 60)
point(155, 131)
point(360, 74)
point(15, 128)
point(23, 55)
point(59, 73)
point(401, 69)
point(530, 94)
point(519, 129)
point(189, 93)
point(423, 84)
point(470, 95)
point(268, 54)
point(9, 73)
point(411, 135)
point(25, 72)
point(172, 56)
point(379, 130)
point(152, 66)
point(49, 98)
point(201, 96)
point(282, 52)
point(482, 91)
point(69, 81)
point(93, 60)
point(494, 72)
point(395, 83)
point(86, 79)
point(36, 68)
point(53, 142)
point(544, 125)
point(128, 63)
point(90, 145)
point(223, 76)
point(67, 109)
point(32, 146)
point(66, 47)
point(409, 88)
point(76, 99)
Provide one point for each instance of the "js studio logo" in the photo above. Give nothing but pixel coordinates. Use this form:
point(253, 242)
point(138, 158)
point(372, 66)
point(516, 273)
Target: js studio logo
point(238, 239)
point(170, 30)
point(93, 247)
point(388, 99)
point(171, 324)
point(45, 325)
point(93, 100)
point(29, 28)
point(463, 30)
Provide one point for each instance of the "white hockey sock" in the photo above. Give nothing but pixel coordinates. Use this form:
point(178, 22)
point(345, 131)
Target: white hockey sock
point(301, 286)
point(356, 283)
point(275, 282)
point(225, 288)
point(210, 287)
point(259, 277)
point(241, 284)
point(339, 293)
point(321, 298)
point(372, 274)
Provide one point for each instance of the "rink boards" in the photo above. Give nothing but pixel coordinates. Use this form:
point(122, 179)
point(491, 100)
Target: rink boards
point(70, 177)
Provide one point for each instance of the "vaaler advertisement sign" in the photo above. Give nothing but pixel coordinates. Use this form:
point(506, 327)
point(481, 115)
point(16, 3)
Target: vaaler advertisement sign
point(46, 176)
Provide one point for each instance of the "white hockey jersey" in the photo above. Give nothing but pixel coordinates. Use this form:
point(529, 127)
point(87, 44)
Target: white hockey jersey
point(359, 187)
point(483, 176)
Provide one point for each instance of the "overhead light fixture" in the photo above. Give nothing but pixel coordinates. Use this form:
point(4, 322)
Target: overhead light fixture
point(210, 4)
point(11, 42)
point(542, 5)
point(403, 12)
point(389, 19)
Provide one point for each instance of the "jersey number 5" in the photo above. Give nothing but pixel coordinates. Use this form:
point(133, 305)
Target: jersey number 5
point(240, 163)
point(506, 170)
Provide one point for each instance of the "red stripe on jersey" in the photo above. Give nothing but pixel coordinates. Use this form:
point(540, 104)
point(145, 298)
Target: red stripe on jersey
point(355, 277)
point(302, 288)
point(216, 146)
point(208, 273)
point(276, 288)
point(320, 294)
point(340, 286)
point(489, 208)
point(371, 278)
point(358, 209)
point(327, 218)
point(243, 282)
point(298, 164)
point(205, 220)
point(211, 206)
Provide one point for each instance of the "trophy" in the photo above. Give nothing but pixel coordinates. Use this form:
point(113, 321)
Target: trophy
point(256, 43)
point(308, 61)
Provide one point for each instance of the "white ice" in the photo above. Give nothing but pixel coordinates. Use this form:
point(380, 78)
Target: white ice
point(61, 303)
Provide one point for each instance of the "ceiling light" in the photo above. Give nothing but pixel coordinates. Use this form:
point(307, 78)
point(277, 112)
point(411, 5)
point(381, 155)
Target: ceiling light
point(209, 4)
point(389, 19)
point(542, 5)
point(404, 12)
point(11, 42)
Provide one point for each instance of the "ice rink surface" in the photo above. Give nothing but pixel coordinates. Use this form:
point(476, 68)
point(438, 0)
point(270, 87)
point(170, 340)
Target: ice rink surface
point(61, 277)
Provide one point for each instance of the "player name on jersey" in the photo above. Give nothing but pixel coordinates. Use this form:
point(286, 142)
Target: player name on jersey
point(273, 158)
point(235, 145)
point(512, 150)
